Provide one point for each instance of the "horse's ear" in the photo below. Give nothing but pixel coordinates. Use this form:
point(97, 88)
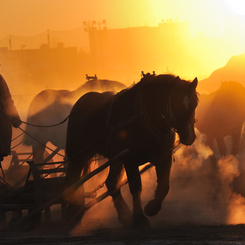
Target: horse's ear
point(176, 79)
point(193, 84)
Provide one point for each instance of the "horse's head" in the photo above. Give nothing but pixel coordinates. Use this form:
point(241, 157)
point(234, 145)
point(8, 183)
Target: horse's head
point(182, 109)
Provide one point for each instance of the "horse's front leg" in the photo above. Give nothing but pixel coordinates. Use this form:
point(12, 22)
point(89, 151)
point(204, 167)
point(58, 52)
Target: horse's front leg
point(135, 187)
point(163, 173)
point(75, 202)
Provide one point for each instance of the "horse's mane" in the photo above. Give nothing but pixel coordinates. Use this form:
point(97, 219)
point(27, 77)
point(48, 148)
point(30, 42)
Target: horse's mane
point(168, 79)
point(132, 87)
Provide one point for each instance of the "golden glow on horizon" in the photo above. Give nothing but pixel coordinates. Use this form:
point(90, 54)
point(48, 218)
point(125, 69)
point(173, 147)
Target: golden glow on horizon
point(204, 16)
point(119, 14)
point(207, 19)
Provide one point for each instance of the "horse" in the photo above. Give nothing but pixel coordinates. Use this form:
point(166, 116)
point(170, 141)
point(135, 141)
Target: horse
point(222, 114)
point(221, 117)
point(142, 119)
point(53, 106)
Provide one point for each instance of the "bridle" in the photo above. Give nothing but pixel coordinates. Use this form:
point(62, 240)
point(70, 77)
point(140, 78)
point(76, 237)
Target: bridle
point(169, 118)
point(141, 117)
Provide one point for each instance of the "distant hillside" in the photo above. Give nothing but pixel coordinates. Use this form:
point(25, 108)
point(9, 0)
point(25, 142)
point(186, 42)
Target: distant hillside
point(234, 70)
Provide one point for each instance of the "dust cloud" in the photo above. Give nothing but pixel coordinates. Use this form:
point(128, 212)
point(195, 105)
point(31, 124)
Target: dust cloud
point(201, 192)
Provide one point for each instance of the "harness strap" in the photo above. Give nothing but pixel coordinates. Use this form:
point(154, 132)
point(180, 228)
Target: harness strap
point(139, 118)
point(128, 121)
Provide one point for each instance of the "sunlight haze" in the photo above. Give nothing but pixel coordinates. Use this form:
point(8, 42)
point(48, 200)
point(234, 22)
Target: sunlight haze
point(213, 25)
point(157, 80)
point(28, 17)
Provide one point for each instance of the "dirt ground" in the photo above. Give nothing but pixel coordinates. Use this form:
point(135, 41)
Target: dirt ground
point(100, 226)
point(53, 233)
point(177, 223)
point(196, 211)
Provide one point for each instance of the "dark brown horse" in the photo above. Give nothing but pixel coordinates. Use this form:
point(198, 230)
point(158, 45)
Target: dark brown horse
point(53, 106)
point(142, 119)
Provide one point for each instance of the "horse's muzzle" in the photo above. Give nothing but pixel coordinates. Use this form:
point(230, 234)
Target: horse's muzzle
point(188, 141)
point(187, 136)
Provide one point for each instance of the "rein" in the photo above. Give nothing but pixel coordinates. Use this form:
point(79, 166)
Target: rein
point(35, 125)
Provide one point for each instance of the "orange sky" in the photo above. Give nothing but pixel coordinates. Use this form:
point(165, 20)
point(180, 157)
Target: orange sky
point(32, 17)
point(28, 17)
point(206, 18)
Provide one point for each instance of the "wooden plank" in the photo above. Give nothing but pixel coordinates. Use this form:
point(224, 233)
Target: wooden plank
point(50, 171)
point(49, 163)
point(53, 181)
point(48, 158)
point(11, 207)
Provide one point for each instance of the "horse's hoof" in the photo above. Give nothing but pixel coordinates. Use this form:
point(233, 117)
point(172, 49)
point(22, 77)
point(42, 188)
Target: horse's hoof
point(141, 221)
point(152, 208)
point(125, 216)
point(125, 220)
point(124, 213)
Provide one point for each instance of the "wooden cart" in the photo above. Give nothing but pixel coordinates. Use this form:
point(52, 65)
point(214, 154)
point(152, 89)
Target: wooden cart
point(41, 191)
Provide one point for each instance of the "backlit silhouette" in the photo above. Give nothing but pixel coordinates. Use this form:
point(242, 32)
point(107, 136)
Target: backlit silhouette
point(142, 119)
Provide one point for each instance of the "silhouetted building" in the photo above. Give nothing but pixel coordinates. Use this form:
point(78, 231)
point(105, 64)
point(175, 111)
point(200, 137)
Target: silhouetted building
point(45, 67)
point(131, 49)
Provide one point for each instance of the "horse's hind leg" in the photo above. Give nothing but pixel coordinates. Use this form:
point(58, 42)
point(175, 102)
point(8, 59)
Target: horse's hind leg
point(73, 175)
point(135, 187)
point(75, 203)
point(112, 182)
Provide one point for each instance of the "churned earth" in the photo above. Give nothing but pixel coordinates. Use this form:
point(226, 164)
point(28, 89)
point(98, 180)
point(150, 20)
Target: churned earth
point(160, 234)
